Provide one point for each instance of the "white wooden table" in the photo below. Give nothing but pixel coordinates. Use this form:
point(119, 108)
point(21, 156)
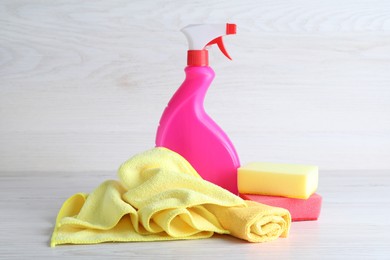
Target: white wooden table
point(354, 222)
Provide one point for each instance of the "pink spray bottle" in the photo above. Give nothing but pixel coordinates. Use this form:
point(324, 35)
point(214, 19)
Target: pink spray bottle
point(185, 127)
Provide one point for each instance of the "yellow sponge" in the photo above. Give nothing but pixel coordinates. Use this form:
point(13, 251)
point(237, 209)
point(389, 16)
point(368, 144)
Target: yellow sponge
point(277, 179)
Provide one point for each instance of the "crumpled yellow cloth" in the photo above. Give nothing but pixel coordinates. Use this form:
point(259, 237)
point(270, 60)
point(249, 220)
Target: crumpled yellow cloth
point(159, 196)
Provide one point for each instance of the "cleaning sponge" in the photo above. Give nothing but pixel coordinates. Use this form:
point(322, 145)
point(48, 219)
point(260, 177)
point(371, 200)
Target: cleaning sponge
point(300, 210)
point(277, 179)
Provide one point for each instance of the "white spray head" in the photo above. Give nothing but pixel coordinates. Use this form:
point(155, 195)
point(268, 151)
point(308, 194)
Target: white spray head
point(200, 36)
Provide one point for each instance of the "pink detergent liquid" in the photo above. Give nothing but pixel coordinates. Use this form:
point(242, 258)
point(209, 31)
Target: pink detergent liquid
point(186, 128)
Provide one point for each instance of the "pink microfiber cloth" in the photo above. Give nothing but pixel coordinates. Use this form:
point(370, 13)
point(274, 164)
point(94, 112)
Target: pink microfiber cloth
point(300, 209)
point(159, 196)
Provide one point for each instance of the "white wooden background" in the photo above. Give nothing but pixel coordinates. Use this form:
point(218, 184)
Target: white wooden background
point(83, 83)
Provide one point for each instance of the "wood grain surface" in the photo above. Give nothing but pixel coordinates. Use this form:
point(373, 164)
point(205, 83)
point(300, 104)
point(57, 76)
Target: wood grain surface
point(83, 83)
point(354, 223)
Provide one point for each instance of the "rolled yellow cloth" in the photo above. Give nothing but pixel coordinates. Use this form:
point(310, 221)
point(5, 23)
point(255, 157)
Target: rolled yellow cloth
point(159, 196)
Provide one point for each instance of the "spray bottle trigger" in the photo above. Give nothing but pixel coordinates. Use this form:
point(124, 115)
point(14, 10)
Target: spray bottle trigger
point(221, 46)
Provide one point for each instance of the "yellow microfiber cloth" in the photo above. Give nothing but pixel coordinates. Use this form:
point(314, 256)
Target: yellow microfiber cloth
point(159, 196)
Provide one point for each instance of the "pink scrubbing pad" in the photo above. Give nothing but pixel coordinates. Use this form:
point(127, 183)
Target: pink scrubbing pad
point(300, 209)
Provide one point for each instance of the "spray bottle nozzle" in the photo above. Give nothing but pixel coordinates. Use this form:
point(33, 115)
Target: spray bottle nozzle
point(200, 36)
point(231, 28)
